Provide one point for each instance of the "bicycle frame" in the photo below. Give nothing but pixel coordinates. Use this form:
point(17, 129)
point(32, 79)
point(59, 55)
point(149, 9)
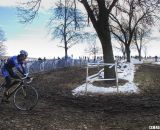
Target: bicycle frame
point(23, 89)
point(15, 89)
point(20, 84)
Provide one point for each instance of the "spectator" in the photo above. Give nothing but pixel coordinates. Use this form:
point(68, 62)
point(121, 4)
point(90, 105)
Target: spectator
point(156, 58)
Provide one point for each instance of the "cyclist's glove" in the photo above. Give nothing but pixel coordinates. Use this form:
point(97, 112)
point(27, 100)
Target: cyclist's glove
point(24, 75)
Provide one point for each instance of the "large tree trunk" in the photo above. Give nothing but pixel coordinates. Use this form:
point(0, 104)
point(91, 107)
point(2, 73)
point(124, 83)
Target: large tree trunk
point(124, 55)
point(128, 53)
point(107, 50)
point(66, 54)
point(108, 58)
point(139, 53)
point(66, 50)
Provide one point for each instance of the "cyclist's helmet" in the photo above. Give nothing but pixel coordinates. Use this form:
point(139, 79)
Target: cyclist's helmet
point(23, 52)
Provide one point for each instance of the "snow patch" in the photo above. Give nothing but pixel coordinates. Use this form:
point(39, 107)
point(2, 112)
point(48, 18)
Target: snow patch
point(127, 88)
point(126, 70)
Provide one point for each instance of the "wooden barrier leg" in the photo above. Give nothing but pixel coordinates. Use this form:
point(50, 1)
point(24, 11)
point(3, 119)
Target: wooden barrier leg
point(116, 77)
point(86, 80)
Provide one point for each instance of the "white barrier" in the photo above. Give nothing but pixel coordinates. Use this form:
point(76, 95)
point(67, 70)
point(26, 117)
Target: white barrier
point(97, 77)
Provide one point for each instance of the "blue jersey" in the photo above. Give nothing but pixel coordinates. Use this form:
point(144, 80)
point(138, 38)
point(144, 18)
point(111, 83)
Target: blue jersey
point(13, 62)
point(10, 64)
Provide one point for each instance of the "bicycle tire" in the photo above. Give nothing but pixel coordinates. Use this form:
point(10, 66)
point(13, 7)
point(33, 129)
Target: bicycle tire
point(25, 98)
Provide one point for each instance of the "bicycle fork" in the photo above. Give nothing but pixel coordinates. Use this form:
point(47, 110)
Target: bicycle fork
point(24, 92)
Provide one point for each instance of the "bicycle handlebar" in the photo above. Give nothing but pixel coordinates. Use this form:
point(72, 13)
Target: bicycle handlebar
point(26, 76)
point(23, 78)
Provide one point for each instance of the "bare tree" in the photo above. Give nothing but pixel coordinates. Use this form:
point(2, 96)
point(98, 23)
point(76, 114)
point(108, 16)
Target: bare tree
point(130, 14)
point(28, 10)
point(145, 51)
point(140, 38)
point(2, 40)
point(93, 48)
point(120, 47)
point(99, 13)
point(66, 24)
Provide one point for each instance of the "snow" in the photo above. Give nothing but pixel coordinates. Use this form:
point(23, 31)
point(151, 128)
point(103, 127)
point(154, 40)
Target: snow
point(127, 88)
point(136, 61)
point(126, 70)
point(157, 63)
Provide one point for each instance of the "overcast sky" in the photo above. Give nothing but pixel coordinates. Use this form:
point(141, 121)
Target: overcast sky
point(35, 39)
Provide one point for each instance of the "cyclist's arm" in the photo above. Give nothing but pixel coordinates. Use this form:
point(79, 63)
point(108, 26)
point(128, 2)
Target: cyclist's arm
point(23, 68)
point(17, 65)
point(19, 69)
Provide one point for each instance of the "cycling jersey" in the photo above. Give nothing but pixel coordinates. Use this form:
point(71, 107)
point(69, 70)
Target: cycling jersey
point(12, 62)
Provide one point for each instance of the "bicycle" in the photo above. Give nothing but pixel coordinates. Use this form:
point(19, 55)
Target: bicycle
point(25, 96)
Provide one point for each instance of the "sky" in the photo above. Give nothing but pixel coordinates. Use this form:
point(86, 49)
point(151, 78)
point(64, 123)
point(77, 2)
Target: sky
point(34, 37)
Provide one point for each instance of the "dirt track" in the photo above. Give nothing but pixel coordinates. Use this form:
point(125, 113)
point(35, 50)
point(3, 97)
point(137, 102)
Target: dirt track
point(58, 109)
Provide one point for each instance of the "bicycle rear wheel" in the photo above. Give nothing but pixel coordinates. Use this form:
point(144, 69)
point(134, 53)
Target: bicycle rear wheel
point(2, 90)
point(25, 98)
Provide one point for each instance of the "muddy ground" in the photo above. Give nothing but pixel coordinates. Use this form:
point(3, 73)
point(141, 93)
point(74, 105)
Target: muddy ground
point(58, 109)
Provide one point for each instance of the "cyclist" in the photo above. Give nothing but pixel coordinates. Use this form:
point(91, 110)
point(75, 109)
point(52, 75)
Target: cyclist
point(17, 62)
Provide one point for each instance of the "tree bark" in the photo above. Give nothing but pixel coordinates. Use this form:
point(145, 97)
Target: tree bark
point(140, 56)
point(105, 38)
point(124, 55)
point(128, 53)
point(66, 54)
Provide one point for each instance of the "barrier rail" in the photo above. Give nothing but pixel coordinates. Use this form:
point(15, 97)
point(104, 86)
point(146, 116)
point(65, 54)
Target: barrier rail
point(97, 77)
point(48, 65)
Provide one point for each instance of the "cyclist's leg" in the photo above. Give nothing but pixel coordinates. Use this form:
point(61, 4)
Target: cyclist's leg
point(6, 75)
point(8, 82)
point(14, 76)
point(7, 86)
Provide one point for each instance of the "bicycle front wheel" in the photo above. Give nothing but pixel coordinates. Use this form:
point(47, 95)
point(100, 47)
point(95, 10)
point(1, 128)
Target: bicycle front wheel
point(25, 98)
